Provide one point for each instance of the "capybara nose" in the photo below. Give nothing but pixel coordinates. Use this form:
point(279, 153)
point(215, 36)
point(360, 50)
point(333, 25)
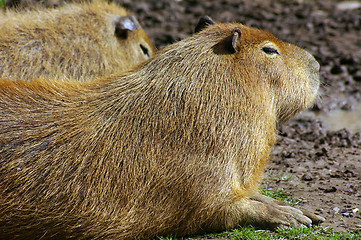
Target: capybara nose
point(314, 72)
point(315, 65)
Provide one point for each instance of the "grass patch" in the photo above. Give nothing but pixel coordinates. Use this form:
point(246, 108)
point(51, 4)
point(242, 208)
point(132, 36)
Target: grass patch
point(249, 233)
point(2, 3)
point(281, 195)
point(281, 176)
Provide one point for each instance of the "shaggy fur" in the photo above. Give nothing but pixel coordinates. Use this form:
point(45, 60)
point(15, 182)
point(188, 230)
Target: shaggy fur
point(175, 146)
point(77, 41)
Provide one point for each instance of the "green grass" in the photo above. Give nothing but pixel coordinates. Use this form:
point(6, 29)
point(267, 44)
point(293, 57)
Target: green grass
point(281, 195)
point(286, 233)
point(281, 176)
point(2, 3)
point(249, 233)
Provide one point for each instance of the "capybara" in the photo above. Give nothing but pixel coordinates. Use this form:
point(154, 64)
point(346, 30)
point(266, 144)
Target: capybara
point(175, 146)
point(77, 41)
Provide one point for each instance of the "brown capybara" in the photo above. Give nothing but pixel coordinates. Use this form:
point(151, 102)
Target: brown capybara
point(175, 146)
point(77, 41)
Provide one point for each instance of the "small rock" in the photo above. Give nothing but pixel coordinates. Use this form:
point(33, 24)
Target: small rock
point(322, 153)
point(330, 190)
point(336, 174)
point(307, 177)
point(346, 214)
point(347, 107)
point(355, 210)
point(348, 5)
point(336, 210)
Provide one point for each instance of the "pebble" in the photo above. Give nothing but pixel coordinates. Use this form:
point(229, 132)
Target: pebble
point(336, 209)
point(307, 177)
point(346, 214)
point(330, 189)
point(348, 5)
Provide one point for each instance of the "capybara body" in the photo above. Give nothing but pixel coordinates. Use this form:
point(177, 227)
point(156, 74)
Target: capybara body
point(77, 41)
point(176, 146)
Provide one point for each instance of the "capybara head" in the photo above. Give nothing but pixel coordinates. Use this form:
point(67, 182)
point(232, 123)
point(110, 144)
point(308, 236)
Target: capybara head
point(132, 39)
point(287, 74)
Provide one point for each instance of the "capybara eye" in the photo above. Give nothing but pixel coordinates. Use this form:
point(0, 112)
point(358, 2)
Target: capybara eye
point(269, 50)
point(144, 49)
point(121, 33)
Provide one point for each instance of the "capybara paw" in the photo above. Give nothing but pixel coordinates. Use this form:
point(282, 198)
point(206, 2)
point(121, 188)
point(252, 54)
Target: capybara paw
point(311, 218)
point(316, 219)
point(292, 216)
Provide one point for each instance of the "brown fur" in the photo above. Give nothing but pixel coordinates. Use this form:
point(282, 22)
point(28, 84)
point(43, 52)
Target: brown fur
point(77, 41)
point(176, 146)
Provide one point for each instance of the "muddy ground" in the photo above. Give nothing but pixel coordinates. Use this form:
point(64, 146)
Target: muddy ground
point(319, 164)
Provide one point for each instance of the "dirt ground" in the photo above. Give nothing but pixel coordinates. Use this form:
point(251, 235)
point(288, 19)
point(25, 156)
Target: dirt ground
point(318, 165)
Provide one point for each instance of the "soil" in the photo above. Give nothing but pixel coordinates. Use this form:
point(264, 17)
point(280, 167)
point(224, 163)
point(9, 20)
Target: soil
point(318, 165)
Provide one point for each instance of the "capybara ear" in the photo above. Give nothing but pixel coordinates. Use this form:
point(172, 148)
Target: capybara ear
point(203, 23)
point(230, 44)
point(125, 24)
point(236, 38)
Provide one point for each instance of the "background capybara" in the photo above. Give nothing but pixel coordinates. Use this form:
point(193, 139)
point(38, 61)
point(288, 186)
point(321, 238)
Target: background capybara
point(176, 146)
point(77, 41)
